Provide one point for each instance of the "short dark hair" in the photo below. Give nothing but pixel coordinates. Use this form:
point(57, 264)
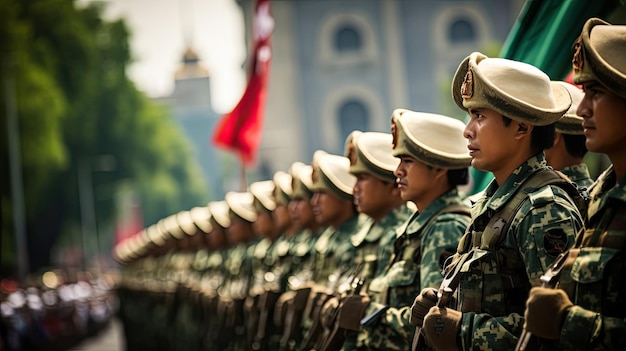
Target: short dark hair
point(458, 177)
point(541, 138)
point(575, 145)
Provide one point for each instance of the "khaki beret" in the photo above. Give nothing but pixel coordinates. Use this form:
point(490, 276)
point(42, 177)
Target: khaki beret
point(201, 217)
point(434, 139)
point(371, 153)
point(514, 89)
point(241, 204)
point(599, 54)
point(169, 226)
point(219, 213)
point(263, 198)
point(301, 182)
point(283, 189)
point(570, 123)
point(332, 173)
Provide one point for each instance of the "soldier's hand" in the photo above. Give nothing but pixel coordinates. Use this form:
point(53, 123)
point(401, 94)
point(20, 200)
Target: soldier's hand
point(441, 328)
point(422, 304)
point(352, 309)
point(545, 311)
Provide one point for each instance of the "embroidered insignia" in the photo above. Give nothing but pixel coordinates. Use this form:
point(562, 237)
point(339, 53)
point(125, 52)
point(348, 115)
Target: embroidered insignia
point(467, 88)
point(394, 133)
point(577, 59)
point(555, 242)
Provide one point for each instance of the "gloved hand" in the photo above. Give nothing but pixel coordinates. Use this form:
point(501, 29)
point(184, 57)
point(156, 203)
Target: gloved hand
point(422, 304)
point(351, 311)
point(441, 327)
point(545, 311)
point(328, 312)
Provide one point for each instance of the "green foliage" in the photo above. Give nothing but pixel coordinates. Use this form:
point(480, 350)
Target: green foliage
point(75, 103)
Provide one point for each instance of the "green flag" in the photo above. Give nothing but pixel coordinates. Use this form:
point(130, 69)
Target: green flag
point(542, 36)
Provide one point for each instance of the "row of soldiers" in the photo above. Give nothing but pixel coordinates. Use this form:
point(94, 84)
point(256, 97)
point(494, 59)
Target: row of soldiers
point(379, 249)
point(56, 310)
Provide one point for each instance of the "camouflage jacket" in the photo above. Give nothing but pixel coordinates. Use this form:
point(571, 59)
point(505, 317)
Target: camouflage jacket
point(598, 318)
point(415, 264)
point(579, 174)
point(498, 273)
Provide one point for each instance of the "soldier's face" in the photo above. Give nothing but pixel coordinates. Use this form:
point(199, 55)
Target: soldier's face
point(328, 207)
point(281, 217)
point(492, 144)
point(264, 225)
point(604, 123)
point(301, 212)
point(372, 195)
point(413, 179)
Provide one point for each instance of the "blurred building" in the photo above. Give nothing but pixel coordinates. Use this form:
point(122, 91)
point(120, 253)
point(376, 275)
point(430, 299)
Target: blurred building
point(342, 65)
point(190, 104)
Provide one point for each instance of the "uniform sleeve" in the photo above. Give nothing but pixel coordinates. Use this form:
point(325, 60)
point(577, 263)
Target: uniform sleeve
point(392, 332)
point(543, 228)
point(439, 241)
point(585, 327)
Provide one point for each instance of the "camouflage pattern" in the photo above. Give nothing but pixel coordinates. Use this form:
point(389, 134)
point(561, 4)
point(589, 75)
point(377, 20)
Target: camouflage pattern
point(419, 247)
point(495, 280)
point(598, 319)
point(578, 174)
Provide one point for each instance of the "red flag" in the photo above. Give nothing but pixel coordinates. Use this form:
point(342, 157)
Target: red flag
point(240, 130)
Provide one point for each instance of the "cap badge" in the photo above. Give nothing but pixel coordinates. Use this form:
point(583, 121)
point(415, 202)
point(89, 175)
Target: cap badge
point(577, 59)
point(394, 134)
point(467, 88)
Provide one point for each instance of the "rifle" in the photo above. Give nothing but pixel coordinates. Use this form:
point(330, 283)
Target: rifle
point(548, 280)
point(338, 334)
point(446, 289)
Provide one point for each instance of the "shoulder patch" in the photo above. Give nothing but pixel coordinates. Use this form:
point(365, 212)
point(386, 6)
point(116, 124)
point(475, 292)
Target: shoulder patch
point(542, 197)
point(555, 242)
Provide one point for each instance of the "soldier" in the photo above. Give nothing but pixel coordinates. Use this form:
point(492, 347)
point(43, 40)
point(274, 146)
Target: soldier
point(376, 196)
point(568, 150)
point(523, 220)
point(433, 162)
point(333, 207)
point(588, 313)
point(302, 254)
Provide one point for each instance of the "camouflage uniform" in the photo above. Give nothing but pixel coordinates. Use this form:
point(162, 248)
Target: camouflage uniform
point(578, 174)
point(495, 280)
point(598, 318)
point(421, 245)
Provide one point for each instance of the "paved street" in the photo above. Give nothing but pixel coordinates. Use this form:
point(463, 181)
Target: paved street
point(109, 339)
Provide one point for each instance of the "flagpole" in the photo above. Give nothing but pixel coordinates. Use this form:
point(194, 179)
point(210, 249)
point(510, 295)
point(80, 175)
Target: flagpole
point(243, 183)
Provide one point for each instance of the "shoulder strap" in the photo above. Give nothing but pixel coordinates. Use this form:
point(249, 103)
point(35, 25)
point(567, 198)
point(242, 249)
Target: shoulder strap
point(502, 221)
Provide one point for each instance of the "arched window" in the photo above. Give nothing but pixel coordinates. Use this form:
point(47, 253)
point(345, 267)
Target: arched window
point(347, 38)
point(353, 115)
point(461, 31)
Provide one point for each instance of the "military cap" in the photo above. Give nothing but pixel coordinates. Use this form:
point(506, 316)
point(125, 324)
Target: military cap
point(219, 213)
point(154, 235)
point(301, 182)
point(282, 188)
point(201, 217)
point(169, 226)
point(332, 173)
point(241, 204)
point(263, 198)
point(434, 139)
point(371, 153)
point(514, 89)
point(599, 55)
point(571, 123)
point(186, 223)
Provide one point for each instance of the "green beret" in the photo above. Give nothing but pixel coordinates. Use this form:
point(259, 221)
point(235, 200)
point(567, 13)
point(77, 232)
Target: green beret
point(514, 89)
point(599, 55)
point(434, 139)
point(332, 173)
point(371, 153)
point(570, 123)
